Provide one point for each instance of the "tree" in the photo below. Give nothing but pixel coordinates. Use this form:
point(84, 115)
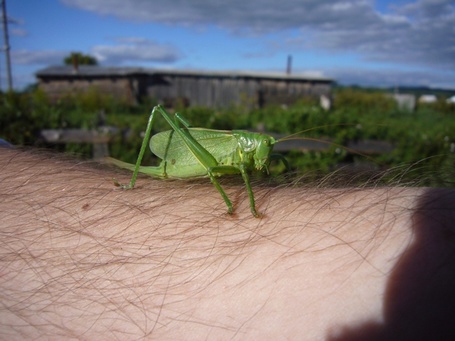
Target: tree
point(80, 59)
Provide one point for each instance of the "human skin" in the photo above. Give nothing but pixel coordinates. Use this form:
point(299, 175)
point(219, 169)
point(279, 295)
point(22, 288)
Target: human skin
point(82, 259)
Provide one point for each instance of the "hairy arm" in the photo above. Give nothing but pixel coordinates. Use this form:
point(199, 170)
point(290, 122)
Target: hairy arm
point(80, 258)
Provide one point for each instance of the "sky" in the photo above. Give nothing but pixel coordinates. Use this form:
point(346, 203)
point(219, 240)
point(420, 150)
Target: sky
point(355, 42)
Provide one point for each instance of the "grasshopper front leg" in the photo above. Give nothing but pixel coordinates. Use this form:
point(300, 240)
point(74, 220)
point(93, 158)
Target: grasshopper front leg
point(246, 179)
point(234, 170)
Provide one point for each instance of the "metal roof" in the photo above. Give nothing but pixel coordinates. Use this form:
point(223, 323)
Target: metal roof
point(102, 71)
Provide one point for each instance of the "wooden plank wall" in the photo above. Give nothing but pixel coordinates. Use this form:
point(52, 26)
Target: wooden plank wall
point(218, 92)
point(121, 88)
point(194, 90)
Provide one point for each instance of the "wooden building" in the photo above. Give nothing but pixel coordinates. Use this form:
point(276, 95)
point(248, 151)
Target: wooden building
point(202, 88)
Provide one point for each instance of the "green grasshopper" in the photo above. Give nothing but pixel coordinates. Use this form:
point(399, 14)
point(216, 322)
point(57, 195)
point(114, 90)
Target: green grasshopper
point(198, 152)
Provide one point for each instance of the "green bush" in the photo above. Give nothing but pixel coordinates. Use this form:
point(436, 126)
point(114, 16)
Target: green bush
point(424, 139)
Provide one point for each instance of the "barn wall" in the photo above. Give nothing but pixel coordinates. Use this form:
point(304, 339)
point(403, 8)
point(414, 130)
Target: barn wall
point(215, 91)
point(225, 92)
point(202, 91)
point(122, 88)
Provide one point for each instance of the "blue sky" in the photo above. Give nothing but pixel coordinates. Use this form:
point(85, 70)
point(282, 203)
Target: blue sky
point(364, 42)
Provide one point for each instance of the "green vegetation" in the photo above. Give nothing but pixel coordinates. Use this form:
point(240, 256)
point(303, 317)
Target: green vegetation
point(424, 139)
point(80, 58)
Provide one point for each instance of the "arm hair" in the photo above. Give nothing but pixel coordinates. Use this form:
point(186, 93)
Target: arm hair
point(80, 258)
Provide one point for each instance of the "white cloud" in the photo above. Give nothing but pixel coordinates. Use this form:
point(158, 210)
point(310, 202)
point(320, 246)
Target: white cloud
point(124, 50)
point(259, 16)
point(420, 33)
point(18, 32)
point(391, 77)
point(428, 8)
point(131, 49)
point(26, 57)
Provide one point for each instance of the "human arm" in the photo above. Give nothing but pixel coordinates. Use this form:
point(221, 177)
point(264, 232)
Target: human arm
point(81, 258)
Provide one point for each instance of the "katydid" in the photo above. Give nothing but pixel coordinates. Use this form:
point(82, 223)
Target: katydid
point(188, 152)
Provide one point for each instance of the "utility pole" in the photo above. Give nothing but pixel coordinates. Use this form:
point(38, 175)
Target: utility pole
point(6, 46)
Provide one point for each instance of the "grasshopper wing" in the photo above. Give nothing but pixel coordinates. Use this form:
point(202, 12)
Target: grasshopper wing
point(170, 147)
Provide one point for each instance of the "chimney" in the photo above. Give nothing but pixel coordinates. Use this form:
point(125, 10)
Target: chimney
point(289, 65)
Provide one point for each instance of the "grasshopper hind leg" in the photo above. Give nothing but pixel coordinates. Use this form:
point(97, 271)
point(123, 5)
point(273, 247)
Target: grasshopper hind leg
point(155, 171)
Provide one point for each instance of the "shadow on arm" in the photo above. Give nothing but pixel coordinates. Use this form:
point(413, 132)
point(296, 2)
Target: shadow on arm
point(419, 301)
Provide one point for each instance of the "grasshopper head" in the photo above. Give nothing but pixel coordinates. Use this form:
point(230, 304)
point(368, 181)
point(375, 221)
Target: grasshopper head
point(263, 150)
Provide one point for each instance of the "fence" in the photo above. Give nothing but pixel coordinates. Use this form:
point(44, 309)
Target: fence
point(100, 138)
